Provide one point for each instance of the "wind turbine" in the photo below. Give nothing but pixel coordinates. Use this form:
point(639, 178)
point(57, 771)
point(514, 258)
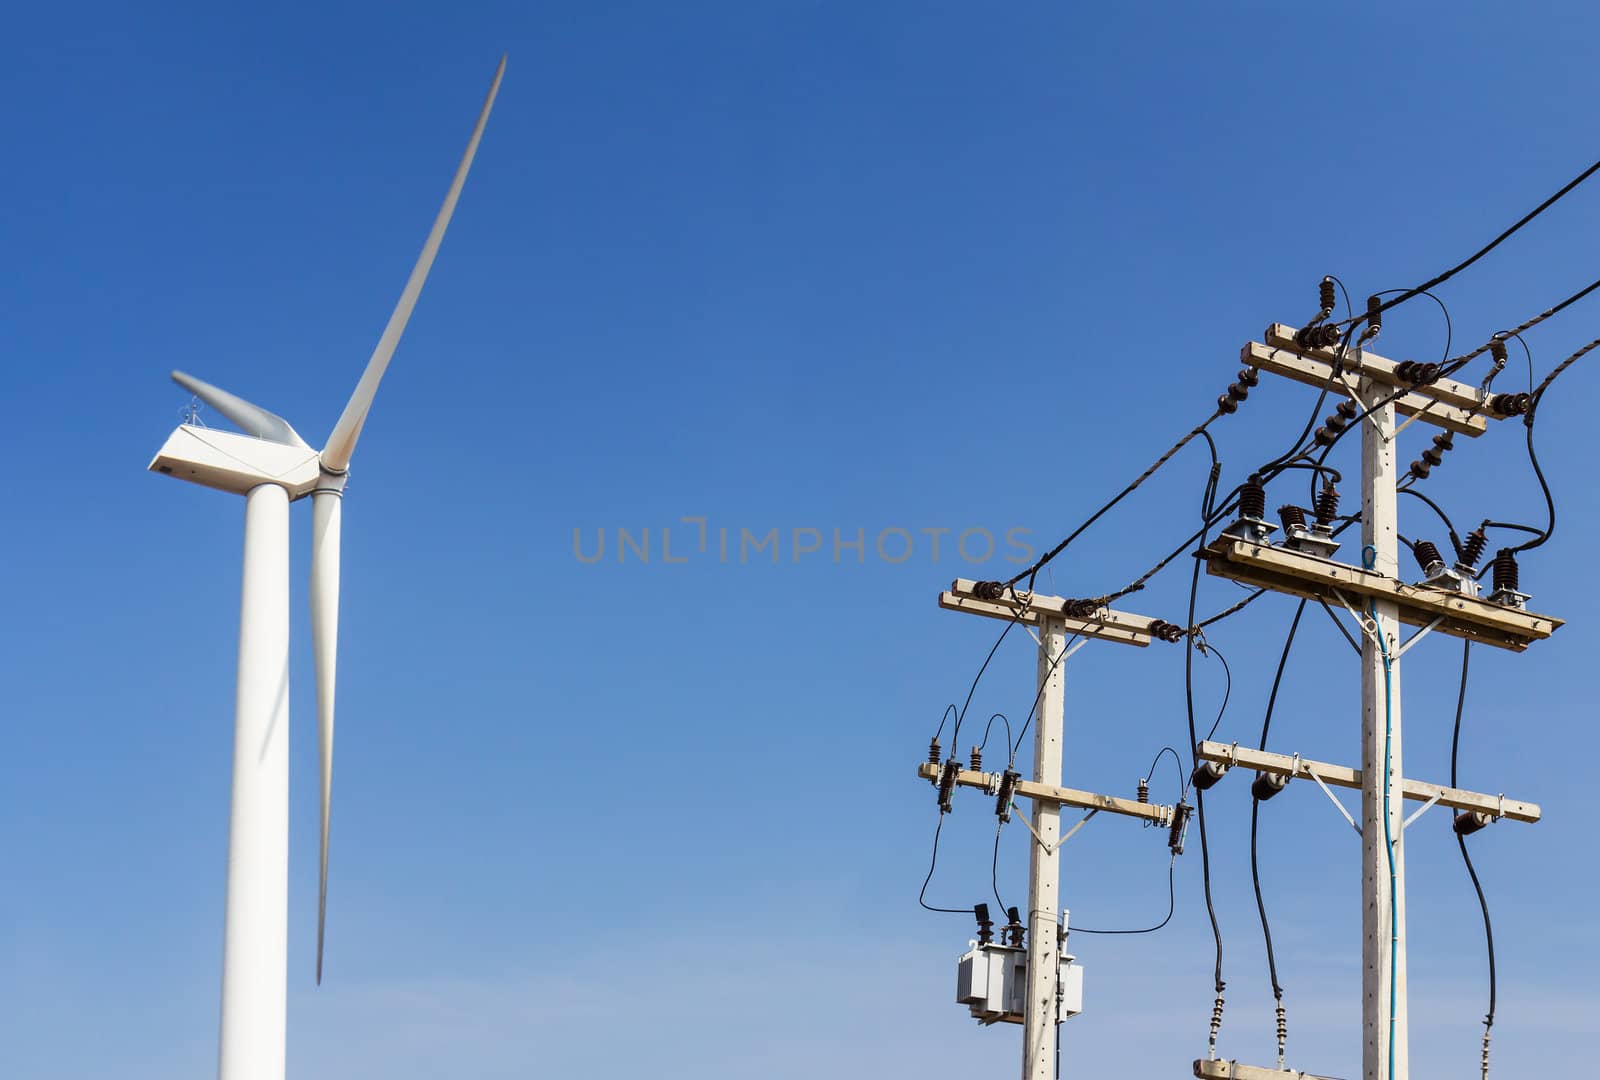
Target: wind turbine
point(271, 466)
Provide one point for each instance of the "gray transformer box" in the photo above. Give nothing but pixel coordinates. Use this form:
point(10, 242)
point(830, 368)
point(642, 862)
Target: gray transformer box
point(992, 980)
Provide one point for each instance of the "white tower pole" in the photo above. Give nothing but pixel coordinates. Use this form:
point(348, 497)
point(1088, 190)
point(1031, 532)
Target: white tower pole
point(256, 926)
point(1383, 948)
point(1044, 867)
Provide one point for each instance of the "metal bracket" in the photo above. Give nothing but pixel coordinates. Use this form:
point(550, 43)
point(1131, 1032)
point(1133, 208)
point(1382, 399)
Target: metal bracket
point(1419, 811)
point(1354, 644)
point(1368, 624)
point(1051, 849)
point(1337, 805)
point(1412, 419)
point(1416, 637)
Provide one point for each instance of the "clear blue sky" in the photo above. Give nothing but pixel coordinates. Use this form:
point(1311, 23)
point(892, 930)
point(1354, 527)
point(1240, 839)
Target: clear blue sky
point(796, 266)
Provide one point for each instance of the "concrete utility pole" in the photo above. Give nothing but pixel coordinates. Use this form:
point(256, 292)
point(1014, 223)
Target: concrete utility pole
point(1381, 600)
point(1044, 861)
point(1061, 627)
point(1383, 941)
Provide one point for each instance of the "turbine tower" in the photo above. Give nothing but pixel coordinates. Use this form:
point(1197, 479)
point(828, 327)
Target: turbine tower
point(271, 466)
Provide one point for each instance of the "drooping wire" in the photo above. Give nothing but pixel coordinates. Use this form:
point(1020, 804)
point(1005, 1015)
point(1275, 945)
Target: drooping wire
point(1455, 539)
point(1255, 813)
point(955, 735)
point(1033, 570)
point(1002, 718)
point(1183, 781)
point(1472, 872)
point(1206, 509)
point(932, 863)
point(1490, 246)
point(994, 867)
point(1171, 906)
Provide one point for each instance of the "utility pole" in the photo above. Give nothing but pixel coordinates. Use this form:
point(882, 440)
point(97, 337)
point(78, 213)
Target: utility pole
point(1380, 601)
point(1044, 860)
point(1060, 627)
point(1383, 868)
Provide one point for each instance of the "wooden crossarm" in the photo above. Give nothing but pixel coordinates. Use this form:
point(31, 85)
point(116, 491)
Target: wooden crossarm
point(1344, 776)
point(1316, 578)
point(1313, 371)
point(1106, 624)
point(1084, 800)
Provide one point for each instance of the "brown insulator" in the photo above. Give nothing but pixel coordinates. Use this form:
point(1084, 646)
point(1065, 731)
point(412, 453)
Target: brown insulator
point(1510, 404)
point(988, 590)
point(1505, 570)
point(1238, 391)
point(1226, 405)
point(1325, 296)
point(1248, 376)
point(1317, 337)
point(1420, 470)
point(1327, 504)
point(1292, 517)
point(934, 752)
point(1143, 794)
point(1472, 549)
point(1468, 822)
point(1374, 319)
point(985, 924)
point(1080, 609)
point(1253, 498)
point(1428, 557)
point(1497, 351)
point(976, 757)
point(1169, 632)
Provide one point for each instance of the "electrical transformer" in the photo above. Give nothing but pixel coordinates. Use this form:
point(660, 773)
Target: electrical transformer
point(992, 982)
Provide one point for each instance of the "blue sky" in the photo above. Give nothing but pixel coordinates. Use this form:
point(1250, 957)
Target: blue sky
point(797, 266)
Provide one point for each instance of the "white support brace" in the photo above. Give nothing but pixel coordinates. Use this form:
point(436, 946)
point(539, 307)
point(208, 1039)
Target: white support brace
point(1417, 636)
point(1337, 805)
point(1419, 811)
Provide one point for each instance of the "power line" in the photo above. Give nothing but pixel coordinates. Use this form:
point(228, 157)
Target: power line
point(1461, 841)
point(1481, 252)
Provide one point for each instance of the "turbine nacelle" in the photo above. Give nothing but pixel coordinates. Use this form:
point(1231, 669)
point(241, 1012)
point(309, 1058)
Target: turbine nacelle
point(229, 461)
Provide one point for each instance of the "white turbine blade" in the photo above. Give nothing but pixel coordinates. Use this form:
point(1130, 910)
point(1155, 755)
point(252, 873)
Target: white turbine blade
point(326, 507)
point(251, 419)
point(342, 442)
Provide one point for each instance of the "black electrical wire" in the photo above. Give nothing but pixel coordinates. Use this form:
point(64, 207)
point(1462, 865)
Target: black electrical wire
point(1171, 906)
point(1455, 539)
point(1177, 763)
point(1461, 841)
point(955, 735)
point(1225, 612)
point(1188, 694)
point(1481, 252)
point(1538, 394)
point(948, 709)
point(1039, 696)
point(1255, 805)
point(1548, 312)
point(932, 863)
point(1002, 718)
point(1227, 691)
point(994, 867)
point(1544, 487)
